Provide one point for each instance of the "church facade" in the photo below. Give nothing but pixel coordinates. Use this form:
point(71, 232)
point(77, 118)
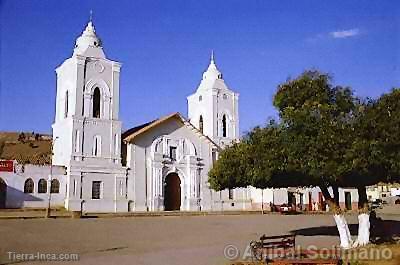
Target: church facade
point(161, 165)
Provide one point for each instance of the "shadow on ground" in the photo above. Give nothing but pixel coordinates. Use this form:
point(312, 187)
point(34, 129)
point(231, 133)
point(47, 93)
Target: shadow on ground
point(382, 231)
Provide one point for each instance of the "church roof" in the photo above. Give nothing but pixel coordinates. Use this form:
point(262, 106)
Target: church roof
point(136, 129)
point(25, 148)
point(129, 135)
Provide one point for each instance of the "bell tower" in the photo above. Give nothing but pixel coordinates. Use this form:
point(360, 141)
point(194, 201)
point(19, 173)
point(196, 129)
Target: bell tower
point(87, 127)
point(213, 108)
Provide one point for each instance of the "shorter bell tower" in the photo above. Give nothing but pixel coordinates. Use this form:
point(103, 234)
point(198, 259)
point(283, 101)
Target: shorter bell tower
point(214, 108)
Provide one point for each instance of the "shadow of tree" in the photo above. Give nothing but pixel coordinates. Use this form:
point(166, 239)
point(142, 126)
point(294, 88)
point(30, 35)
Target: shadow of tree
point(382, 231)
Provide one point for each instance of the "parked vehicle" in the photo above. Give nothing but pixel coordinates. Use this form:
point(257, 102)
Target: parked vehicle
point(377, 204)
point(286, 208)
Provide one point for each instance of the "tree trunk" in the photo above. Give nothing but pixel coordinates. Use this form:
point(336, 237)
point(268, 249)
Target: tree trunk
point(262, 201)
point(335, 190)
point(340, 220)
point(363, 218)
point(344, 232)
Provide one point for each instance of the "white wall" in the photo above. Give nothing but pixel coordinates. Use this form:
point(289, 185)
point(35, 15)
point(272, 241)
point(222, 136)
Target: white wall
point(395, 191)
point(16, 198)
point(142, 166)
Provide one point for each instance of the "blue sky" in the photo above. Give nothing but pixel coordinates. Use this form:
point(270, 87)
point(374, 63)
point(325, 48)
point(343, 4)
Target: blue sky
point(164, 47)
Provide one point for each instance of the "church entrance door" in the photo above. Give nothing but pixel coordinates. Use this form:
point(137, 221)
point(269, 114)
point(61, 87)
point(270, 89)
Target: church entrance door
point(3, 194)
point(172, 191)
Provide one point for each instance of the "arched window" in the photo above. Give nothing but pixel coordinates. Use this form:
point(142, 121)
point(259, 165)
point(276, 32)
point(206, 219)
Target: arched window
point(42, 186)
point(55, 186)
point(201, 124)
point(224, 126)
point(66, 104)
point(97, 145)
point(96, 103)
point(29, 186)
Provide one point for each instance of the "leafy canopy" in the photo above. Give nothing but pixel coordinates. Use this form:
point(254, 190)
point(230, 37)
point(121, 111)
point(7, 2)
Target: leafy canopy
point(325, 137)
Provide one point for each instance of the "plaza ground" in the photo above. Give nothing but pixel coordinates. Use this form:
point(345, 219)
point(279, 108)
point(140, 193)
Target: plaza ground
point(162, 240)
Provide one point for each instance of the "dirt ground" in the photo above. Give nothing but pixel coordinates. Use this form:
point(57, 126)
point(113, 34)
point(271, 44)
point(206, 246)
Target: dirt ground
point(160, 240)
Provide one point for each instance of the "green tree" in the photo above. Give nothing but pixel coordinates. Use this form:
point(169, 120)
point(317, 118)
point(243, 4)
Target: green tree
point(326, 137)
point(232, 171)
point(318, 120)
point(375, 150)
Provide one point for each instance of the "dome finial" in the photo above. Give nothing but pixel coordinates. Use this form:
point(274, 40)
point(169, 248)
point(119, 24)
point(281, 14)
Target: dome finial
point(88, 38)
point(212, 72)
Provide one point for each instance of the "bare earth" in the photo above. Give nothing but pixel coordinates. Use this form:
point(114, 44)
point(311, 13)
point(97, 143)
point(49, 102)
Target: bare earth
point(158, 240)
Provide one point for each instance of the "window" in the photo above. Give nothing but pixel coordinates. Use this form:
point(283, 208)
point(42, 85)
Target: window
point(96, 103)
point(66, 105)
point(225, 96)
point(97, 145)
point(77, 141)
point(29, 186)
point(116, 141)
point(172, 152)
point(224, 126)
point(200, 98)
point(96, 190)
point(201, 124)
point(75, 187)
point(230, 194)
point(121, 188)
point(55, 186)
point(42, 186)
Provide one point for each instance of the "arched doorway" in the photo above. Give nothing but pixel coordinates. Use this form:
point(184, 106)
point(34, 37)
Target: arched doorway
point(3, 194)
point(172, 191)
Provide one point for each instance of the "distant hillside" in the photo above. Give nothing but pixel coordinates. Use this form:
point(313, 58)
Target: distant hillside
point(26, 147)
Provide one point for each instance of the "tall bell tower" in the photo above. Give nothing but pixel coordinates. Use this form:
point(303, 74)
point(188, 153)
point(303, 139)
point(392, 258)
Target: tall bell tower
point(87, 129)
point(214, 108)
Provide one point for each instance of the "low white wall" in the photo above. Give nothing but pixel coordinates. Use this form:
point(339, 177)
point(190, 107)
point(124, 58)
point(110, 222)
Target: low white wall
point(15, 181)
point(395, 191)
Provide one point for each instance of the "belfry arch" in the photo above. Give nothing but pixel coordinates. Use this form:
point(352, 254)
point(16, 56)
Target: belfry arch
point(96, 103)
point(201, 125)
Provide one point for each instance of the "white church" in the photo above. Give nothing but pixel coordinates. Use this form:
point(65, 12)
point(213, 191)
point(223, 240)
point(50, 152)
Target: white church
point(158, 166)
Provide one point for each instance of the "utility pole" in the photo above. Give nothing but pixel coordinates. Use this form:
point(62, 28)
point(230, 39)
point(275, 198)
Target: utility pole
point(50, 178)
